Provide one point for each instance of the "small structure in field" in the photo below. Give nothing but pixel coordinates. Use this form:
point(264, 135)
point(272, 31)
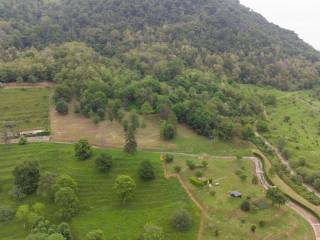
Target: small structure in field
point(31, 133)
point(235, 194)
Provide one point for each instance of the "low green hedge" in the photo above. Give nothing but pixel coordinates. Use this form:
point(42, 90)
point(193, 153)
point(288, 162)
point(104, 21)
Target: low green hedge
point(196, 182)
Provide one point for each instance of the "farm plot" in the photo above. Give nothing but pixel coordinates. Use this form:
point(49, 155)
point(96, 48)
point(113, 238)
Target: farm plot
point(224, 217)
point(153, 201)
point(24, 108)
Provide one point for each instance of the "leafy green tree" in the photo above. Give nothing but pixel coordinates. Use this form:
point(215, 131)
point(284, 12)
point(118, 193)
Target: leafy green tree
point(247, 132)
point(245, 206)
point(62, 107)
point(130, 146)
point(46, 184)
point(95, 235)
point(82, 149)
point(181, 220)
point(27, 176)
point(146, 171)
point(6, 215)
point(64, 229)
point(152, 232)
point(65, 181)
point(62, 93)
point(67, 202)
point(56, 236)
point(104, 162)
point(276, 196)
point(146, 108)
point(23, 141)
point(125, 187)
point(168, 131)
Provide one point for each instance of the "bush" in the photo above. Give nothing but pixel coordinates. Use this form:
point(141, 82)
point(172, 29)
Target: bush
point(262, 223)
point(196, 182)
point(253, 228)
point(104, 162)
point(62, 107)
point(16, 194)
point(6, 214)
point(146, 171)
point(212, 193)
point(245, 206)
point(191, 165)
point(27, 176)
point(181, 220)
point(255, 180)
point(23, 141)
point(168, 131)
point(82, 150)
point(169, 158)
point(177, 169)
point(204, 164)
point(198, 174)
point(95, 235)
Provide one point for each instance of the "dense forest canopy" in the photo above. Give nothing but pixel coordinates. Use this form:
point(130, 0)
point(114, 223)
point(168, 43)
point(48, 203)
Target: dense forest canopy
point(182, 59)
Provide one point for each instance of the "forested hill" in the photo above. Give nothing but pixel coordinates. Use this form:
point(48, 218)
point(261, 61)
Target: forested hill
point(221, 35)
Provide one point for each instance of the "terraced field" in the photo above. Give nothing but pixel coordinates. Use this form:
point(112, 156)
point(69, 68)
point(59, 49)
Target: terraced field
point(153, 201)
point(26, 108)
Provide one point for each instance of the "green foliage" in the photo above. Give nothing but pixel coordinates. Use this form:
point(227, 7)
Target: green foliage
point(146, 171)
point(67, 203)
point(168, 131)
point(191, 165)
point(276, 196)
point(23, 141)
point(95, 235)
point(245, 206)
point(46, 184)
point(104, 162)
point(146, 108)
point(168, 158)
point(130, 146)
point(6, 215)
point(177, 169)
point(62, 107)
point(125, 187)
point(27, 176)
point(152, 232)
point(196, 182)
point(82, 149)
point(64, 181)
point(181, 220)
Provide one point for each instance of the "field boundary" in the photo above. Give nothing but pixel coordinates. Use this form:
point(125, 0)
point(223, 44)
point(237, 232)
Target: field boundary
point(191, 196)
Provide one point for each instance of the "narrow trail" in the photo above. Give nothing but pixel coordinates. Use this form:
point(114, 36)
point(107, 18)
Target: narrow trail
point(191, 196)
point(285, 162)
point(312, 220)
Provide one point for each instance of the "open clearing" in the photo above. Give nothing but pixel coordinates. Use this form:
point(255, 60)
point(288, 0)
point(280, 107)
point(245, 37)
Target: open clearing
point(72, 127)
point(224, 212)
point(25, 108)
point(153, 202)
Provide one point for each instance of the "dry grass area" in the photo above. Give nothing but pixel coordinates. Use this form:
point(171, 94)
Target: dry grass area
point(72, 127)
point(28, 85)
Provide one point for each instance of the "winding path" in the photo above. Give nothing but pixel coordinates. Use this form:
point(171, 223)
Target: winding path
point(312, 220)
point(285, 162)
point(191, 196)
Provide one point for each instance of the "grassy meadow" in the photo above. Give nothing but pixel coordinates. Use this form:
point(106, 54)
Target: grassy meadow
point(153, 201)
point(26, 108)
point(224, 213)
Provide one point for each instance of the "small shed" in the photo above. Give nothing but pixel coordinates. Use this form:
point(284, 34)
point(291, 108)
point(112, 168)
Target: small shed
point(235, 194)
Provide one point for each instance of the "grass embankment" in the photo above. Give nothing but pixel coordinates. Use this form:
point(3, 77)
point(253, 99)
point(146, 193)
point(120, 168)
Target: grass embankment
point(26, 108)
point(223, 212)
point(153, 202)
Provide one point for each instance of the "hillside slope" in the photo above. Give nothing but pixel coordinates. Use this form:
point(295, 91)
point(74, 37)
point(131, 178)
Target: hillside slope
point(217, 34)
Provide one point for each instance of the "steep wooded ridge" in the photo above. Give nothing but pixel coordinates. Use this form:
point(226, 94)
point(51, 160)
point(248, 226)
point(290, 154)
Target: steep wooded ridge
point(220, 35)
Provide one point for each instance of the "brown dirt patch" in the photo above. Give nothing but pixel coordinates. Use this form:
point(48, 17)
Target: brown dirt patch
point(72, 127)
point(28, 85)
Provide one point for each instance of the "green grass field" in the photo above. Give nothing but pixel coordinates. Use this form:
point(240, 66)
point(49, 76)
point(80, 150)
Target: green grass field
point(153, 202)
point(224, 213)
point(26, 108)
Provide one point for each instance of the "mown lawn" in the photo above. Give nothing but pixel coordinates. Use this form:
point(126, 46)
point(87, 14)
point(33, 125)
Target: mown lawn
point(26, 108)
point(223, 212)
point(153, 202)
